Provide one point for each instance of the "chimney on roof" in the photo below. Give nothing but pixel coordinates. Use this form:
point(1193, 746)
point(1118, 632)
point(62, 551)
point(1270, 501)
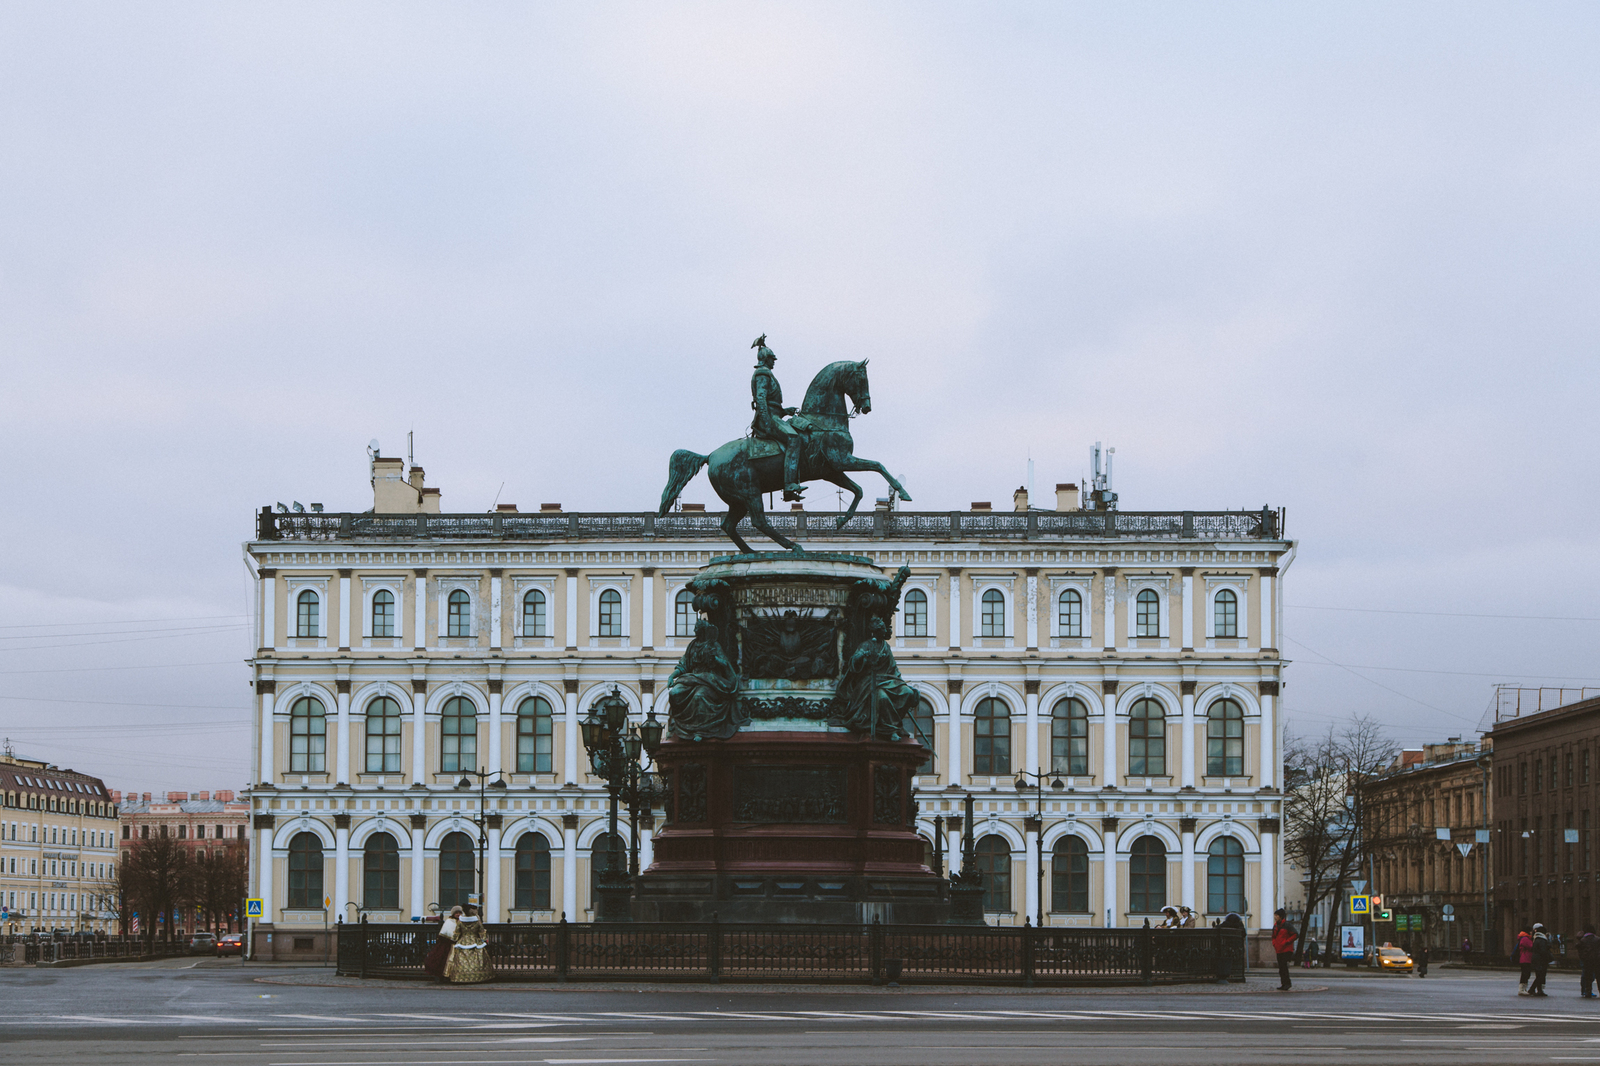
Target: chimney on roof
point(506, 508)
point(1019, 499)
point(147, 797)
point(1410, 757)
point(177, 797)
point(390, 493)
point(202, 795)
point(116, 795)
point(694, 507)
point(981, 505)
point(1067, 497)
point(224, 795)
point(550, 507)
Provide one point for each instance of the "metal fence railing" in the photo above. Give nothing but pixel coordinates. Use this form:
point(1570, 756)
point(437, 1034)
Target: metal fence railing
point(45, 949)
point(848, 954)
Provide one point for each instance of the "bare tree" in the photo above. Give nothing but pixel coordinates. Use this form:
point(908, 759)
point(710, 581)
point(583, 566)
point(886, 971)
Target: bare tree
point(156, 878)
point(1325, 812)
point(220, 883)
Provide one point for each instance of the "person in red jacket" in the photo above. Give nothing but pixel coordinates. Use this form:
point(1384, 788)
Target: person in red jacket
point(1522, 955)
point(1283, 938)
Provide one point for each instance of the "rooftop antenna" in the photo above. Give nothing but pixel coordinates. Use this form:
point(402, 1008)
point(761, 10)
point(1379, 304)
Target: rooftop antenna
point(10, 755)
point(1101, 498)
point(1030, 476)
point(497, 493)
point(411, 458)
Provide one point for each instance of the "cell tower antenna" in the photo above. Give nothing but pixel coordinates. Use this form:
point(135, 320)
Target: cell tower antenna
point(411, 455)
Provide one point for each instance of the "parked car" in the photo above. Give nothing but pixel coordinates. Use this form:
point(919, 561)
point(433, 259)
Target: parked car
point(203, 944)
point(1389, 958)
point(230, 944)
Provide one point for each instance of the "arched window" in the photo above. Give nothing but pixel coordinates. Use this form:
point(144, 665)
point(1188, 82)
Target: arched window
point(994, 859)
point(1225, 614)
point(683, 616)
point(535, 728)
point(308, 736)
point(920, 726)
point(533, 614)
point(994, 613)
point(380, 873)
point(991, 737)
point(1225, 739)
point(308, 610)
point(460, 614)
point(305, 872)
point(1148, 618)
point(600, 862)
point(383, 613)
point(1069, 737)
point(458, 735)
point(1147, 739)
point(1225, 876)
point(1069, 614)
point(383, 736)
point(916, 613)
point(533, 873)
point(1069, 876)
point(1147, 876)
point(455, 871)
point(611, 613)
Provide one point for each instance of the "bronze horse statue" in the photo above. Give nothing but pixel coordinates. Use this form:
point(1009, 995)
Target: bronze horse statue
point(742, 470)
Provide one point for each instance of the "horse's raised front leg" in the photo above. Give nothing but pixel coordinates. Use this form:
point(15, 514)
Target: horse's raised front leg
point(837, 477)
point(855, 462)
point(758, 518)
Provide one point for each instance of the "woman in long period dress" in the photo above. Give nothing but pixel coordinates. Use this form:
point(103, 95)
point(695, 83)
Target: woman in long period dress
point(435, 961)
point(469, 958)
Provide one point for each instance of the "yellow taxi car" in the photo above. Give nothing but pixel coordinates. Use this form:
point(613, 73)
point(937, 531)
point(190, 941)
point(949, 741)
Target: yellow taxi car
point(1392, 958)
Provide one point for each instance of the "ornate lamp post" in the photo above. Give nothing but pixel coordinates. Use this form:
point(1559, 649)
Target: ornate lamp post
point(615, 752)
point(966, 887)
point(1035, 823)
point(482, 822)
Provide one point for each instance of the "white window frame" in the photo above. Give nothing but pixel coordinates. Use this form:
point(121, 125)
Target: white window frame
point(1239, 584)
point(292, 587)
point(395, 586)
point(982, 583)
point(928, 586)
point(674, 582)
point(1157, 583)
point(521, 585)
point(622, 584)
point(446, 584)
point(1084, 584)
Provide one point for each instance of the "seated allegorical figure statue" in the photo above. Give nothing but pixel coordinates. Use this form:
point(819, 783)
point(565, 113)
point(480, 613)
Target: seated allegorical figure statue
point(702, 694)
point(872, 696)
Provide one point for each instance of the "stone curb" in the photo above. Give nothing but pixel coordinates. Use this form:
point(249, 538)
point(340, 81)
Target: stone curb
point(1231, 989)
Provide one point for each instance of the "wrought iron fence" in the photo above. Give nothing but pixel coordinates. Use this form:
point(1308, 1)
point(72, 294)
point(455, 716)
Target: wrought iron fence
point(817, 954)
point(1264, 524)
point(46, 949)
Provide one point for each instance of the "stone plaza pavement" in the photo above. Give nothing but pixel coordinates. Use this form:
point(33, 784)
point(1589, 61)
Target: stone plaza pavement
point(224, 1010)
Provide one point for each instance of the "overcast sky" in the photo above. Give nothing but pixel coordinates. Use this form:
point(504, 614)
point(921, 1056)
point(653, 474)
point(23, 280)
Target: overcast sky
point(1336, 258)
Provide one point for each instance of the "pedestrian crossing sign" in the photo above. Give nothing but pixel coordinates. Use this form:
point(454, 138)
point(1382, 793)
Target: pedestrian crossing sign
point(252, 908)
point(1360, 904)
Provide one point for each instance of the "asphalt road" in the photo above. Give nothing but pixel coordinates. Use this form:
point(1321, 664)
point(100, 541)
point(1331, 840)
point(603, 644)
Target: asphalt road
point(222, 1011)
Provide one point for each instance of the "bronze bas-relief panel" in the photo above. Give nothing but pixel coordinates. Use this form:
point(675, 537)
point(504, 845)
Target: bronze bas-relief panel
point(792, 794)
point(789, 646)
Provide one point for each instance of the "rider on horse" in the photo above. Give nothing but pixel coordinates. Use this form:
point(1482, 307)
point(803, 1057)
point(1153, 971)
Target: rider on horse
point(766, 396)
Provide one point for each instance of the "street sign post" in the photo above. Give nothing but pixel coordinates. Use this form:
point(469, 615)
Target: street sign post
point(1360, 905)
point(252, 908)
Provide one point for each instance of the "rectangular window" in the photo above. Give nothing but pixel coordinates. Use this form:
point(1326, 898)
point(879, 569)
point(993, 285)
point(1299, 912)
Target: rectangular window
point(1585, 777)
point(683, 615)
point(1569, 778)
point(916, 613)
point(1567, 848)
point(1554, 781)
point(1522, 778)
point(1070, 616)
point(1538, 775)
point(383, 613)
point(993, 614)
point(1585, 833)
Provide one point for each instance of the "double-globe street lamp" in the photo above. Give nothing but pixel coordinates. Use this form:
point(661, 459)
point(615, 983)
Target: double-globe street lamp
point(482, 819)
point(1035, 822)
point(615, 751)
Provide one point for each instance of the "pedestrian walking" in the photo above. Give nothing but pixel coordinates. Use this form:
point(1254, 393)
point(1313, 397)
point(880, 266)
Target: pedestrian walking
point(1541, 959)
point(1311, 955)
point(1522, 955)
point(1466, 950)
point(1421, 959)
point(1283, 938)
point(1589, 958)
point(436, 959)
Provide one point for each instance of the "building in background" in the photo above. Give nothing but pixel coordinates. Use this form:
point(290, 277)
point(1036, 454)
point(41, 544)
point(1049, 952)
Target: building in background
point(1129, 658)
point(1424, 827)
point(213, 829)
point(58, 849)
point(1545, 796)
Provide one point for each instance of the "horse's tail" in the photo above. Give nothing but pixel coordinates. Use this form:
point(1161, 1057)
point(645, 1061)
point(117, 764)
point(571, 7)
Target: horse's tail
point(681, 468)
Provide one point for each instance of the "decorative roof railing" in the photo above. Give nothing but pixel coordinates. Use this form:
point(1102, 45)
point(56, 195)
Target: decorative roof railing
point(1265, 524)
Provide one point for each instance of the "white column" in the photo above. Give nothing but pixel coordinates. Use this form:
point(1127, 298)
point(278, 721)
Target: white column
point(1268, 638)
point(1108, 890)
point(341, 871)
point(1110, 772)
point(1188, 870)
point(952, 852)
point(495, 621)
point(494, 730)
point(1030, 843)
point(955, 607)
point(269, 604)
point(1268, 900)
point(264, 872)
point(1269, 744)
point(1188, 612)
point(647, 609)
point(953, 776)
point(1111, 609)
point(344, 610)
point(569, 869)
point(419, 639)
point(419, 737)
point(1031, 746)
point(572, 608)
point(1033, 610)
point(269, 772)
point(571, 768)
point(343, 738)
point(1188, 740)
point(417, 902)
point(647, 848)
point(491, 877)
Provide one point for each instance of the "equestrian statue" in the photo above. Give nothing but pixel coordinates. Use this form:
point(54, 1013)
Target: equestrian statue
point(785, 448)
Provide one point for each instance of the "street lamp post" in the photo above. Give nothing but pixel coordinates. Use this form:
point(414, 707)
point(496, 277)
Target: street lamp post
point(615, 751)
point(482, 820)
point(1035, 822)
